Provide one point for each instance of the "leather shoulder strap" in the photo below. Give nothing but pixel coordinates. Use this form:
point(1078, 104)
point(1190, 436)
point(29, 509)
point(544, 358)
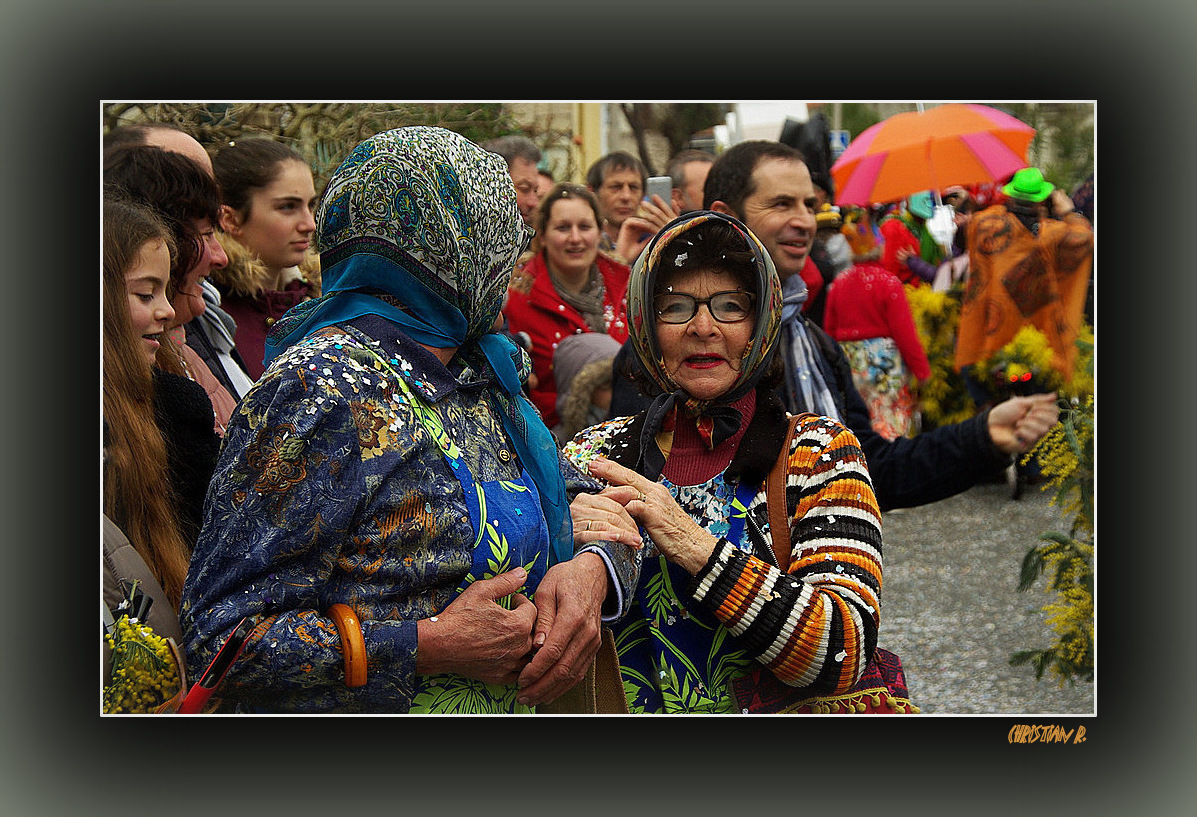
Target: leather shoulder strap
point(775, 498)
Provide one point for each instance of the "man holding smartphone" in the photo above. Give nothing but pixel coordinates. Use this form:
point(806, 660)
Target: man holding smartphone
point(630, 217)
point(618, 180)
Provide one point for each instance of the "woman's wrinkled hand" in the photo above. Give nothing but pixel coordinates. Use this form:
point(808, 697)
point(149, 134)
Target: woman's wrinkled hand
point(569, 605)
point(599, 518)
point(477, 637)
point(682, 540)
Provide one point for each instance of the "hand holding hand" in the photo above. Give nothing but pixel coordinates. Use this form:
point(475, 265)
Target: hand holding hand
point(1017, 424)
point(599, 518)
point(675, 533)
point(476, 637)
point(569, 603)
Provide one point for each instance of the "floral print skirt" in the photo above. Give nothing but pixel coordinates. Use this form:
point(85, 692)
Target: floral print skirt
point(884, 383)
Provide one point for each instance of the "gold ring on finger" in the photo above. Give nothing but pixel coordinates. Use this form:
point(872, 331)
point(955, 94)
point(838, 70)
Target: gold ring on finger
point(643, 497)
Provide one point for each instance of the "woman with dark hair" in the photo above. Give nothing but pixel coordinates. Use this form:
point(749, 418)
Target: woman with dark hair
point(267, 222)
point(184, 197)
point(869, 314)
point(568, 287)
point(712, 603)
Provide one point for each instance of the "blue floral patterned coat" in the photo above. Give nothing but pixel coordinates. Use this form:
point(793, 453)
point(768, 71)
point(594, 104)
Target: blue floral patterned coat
point(361, 471)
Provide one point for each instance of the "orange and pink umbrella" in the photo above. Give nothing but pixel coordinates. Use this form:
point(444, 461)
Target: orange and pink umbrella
point(930, 150)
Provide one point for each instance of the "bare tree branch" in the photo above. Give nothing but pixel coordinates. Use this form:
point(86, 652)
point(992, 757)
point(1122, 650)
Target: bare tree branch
point(638, 117)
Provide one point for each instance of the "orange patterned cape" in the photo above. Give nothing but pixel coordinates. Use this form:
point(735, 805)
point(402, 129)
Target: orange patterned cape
point(1017, 279)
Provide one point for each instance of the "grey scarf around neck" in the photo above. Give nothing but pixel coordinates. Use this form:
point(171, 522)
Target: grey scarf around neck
point(805, 382)
point(588, 302)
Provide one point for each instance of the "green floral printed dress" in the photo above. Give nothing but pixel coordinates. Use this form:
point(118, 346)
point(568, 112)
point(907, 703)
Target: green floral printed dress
point(674, 655)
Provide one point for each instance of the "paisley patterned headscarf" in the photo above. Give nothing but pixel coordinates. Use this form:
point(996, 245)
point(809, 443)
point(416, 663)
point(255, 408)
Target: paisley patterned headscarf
point(716, 420)
point(430, 219)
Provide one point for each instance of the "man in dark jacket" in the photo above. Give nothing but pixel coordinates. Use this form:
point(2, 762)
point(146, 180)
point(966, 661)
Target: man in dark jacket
point(768, 187)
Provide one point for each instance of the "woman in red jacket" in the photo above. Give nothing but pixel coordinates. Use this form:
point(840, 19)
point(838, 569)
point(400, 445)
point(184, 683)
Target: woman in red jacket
point(566, 288)
point(867, 312)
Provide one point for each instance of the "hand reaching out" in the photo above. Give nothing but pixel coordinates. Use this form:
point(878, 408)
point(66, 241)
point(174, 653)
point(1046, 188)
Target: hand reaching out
point(1061, 204)
point(675, 533)
point(1017, 424)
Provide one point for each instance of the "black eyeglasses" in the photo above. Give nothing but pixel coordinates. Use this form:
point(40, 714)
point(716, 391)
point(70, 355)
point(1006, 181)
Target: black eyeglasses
point(732, 306)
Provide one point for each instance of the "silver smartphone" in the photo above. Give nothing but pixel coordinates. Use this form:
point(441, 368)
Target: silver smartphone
point(658, 186)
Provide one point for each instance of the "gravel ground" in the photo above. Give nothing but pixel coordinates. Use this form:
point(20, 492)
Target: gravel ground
point(952, 611)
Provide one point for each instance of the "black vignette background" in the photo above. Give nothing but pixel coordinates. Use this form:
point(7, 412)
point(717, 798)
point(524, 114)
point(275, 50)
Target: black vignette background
point(61, 60)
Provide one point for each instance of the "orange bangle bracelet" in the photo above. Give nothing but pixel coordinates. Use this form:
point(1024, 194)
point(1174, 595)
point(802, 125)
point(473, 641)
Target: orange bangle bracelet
point(353, 646)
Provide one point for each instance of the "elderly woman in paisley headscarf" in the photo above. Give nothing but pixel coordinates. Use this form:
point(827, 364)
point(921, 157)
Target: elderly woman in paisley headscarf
point(712, 605)
point(389, 511)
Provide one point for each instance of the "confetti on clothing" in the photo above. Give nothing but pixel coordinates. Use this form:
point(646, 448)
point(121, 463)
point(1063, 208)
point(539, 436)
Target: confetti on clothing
point(345, 477)
point(687, 637)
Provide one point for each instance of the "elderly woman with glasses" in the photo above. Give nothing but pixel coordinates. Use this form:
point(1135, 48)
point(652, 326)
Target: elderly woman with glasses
point(389, 511)
point(712, 606)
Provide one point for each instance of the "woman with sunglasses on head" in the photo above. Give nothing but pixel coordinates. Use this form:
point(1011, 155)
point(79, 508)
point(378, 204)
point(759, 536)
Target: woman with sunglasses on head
point(712, 604)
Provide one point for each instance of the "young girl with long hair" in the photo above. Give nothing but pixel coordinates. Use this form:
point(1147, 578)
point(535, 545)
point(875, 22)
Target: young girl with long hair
point(138, 495)
point(187, 199)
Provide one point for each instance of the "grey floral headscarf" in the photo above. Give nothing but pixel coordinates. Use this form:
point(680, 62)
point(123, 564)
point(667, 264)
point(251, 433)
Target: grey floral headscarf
point(427, 219)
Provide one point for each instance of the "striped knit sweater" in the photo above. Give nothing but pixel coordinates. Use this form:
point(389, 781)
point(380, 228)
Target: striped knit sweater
point(816, 625)
point(813, 625)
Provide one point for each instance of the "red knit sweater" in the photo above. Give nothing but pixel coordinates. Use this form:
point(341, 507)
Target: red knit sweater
point(689, 462)
point(868, 301)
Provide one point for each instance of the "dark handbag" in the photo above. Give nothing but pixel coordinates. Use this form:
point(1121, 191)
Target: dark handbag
point(882, 686)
